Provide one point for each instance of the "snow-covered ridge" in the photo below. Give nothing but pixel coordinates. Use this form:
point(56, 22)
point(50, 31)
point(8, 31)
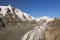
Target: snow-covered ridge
point(44, 19)
point(18, 12)
point(22, 15)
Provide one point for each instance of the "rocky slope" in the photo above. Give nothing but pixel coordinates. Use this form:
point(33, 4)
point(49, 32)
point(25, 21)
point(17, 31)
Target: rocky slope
point(17, 25)
point(53, 30)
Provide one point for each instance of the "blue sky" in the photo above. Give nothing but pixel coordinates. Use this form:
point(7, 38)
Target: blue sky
point(36, 8)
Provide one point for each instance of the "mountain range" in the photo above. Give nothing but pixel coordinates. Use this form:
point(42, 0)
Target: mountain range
point(18, 25)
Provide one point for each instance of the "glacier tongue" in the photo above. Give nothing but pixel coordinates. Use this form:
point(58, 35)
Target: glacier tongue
point(35, 34)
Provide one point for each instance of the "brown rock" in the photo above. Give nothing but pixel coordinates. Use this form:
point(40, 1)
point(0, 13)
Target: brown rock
point(53, 30)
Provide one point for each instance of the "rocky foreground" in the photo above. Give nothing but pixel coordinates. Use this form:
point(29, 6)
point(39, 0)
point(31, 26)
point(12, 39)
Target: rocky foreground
point(53, 30)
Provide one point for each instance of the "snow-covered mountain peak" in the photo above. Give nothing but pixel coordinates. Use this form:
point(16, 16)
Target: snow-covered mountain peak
point(21, 15)
point(4, 9)
point(44, 19)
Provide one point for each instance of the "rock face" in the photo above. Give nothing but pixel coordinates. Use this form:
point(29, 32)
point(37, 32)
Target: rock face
point(53, 30)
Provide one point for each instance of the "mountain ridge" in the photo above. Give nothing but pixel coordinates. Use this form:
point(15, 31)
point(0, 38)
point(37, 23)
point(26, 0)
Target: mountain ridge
point(19, 14)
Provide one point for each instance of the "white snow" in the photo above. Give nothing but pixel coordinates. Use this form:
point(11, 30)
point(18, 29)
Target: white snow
point(27, 17)
point(44, 19)
point(19, 13)
point(4, 9)
point(9, 6)
point(26, 35)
